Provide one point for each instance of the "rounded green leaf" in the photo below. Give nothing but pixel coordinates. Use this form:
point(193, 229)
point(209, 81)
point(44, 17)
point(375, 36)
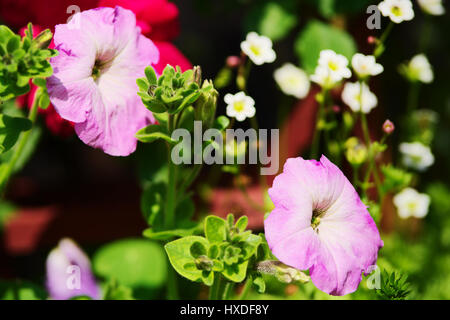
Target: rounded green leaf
point(137, 263)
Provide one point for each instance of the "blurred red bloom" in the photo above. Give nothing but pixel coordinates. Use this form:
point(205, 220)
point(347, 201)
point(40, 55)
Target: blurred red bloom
point(158, 19)
point(45, 13)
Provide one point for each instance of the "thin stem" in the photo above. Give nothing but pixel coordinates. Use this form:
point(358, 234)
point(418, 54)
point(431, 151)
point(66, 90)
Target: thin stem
point(169, 221)
point(317, 129)
point(372, 162)
point(172, 290)
point(228, 288)
point(214, 290)
point(246, 289)
point(413, 96)
point(378, 51)
point(9, 168)
point(171, 184)
point(190, 178)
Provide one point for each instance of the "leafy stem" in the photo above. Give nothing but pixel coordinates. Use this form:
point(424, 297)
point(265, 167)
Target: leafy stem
point(6, 173)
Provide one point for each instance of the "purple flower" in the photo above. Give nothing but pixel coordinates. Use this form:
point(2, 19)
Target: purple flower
point(319, 223)
point(69, 273)
point(101, 54)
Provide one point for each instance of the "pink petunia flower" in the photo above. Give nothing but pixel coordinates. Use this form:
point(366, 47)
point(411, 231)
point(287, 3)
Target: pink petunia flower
point(319, 223)
point(94, 80)
point(69, 273)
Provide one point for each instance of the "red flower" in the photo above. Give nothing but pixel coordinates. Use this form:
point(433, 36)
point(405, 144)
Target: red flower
point(169, 54)
point(46, 13)
point(158, 19)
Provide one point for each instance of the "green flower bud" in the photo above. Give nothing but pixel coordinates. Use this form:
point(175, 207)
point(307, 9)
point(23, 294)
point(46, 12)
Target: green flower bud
point(43, 39)
point(205, 106)
point(356, 153)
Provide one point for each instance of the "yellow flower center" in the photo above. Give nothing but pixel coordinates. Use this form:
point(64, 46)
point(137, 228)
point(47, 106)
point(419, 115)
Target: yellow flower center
point(239, 106)
point(255, 49)
point(396, 11)
point(412, 206)
point(332, 65)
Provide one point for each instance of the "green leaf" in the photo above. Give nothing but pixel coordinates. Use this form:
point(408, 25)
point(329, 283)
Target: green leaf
point(115, 291)
point(273, 19)
point(215, 229)
point(152, 133)
point(180, 257)
point(221, 123)
point(142, 84)
point(136, 263)
point(260, 283)
point(190, 99)
point(10, 129)
point(197, 249)
point(40, 82)
point(187, 119)
point(242, 223)
point(236, 272)
point(154, 105)
point(21, 290)
point(151, 75)
point(318, 36)
point(170, 234)
point(44, 100)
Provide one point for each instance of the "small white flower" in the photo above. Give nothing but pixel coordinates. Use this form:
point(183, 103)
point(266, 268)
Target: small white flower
point(292, 80)
point(324, 77)
point(240, 106)
point(433, 7)
point(416, 155)
point(411, 203)
point(366, 65)
point(359, 100)
point(331, 69)
point(258, 48)
point(336, 63)
point(419, 68)
point(397, 10)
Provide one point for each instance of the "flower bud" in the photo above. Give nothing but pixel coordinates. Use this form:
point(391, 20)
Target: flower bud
point(371, 40)
point(233, 62)
point(356, 152)
point(388, 127)
point(205, 106)
point(43, 39)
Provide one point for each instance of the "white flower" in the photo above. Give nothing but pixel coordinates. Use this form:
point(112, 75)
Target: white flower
point(433, 7)
point(359, 100)
point(336, 63)
point(258, 48)
point(324, 77)
point(411, 203)
point(419, 68)
point(292, 80)
point(240, 106)
point(416, 155)
point(397, 10)
point(366, 65)
point(331, 69)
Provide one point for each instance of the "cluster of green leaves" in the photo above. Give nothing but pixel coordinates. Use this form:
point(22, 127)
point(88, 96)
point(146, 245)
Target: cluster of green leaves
point(395, 179)
point(22, 59)
point(394, 286)
point(174, 93)
point(227, 249)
